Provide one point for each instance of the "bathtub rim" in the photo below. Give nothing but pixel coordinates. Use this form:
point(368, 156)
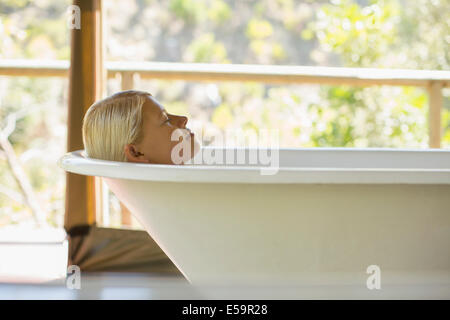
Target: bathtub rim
point(74, 162)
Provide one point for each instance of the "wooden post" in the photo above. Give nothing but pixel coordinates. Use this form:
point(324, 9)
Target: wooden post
point(86, 80)
point(127, 83)
point(434, 117)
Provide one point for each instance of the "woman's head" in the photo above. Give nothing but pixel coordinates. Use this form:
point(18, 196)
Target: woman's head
point(133, 126)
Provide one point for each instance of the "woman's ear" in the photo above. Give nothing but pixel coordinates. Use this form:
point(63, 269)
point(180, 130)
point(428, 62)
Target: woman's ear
point(133, 155)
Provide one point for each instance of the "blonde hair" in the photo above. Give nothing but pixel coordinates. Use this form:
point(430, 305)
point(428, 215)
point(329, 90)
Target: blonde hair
point(111, 123)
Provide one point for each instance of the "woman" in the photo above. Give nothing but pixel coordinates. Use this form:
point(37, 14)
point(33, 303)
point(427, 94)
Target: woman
point(132, 126)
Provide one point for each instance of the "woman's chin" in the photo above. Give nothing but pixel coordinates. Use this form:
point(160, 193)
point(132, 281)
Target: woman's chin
point(195, 148)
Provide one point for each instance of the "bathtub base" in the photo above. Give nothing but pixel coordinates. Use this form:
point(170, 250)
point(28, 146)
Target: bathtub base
point(296, 233)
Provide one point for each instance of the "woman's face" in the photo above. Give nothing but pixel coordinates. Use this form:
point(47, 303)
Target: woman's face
point(156, 144)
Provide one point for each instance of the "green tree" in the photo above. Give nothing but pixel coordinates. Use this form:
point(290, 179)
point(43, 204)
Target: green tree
point(370, 36)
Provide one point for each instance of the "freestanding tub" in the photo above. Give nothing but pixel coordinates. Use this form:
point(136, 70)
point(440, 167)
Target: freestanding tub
point(324, 218)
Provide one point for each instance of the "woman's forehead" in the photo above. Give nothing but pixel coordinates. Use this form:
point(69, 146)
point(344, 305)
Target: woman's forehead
point(153, 107)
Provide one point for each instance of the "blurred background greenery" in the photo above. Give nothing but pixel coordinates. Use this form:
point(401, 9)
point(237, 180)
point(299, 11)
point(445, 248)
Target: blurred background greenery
point(340, 33)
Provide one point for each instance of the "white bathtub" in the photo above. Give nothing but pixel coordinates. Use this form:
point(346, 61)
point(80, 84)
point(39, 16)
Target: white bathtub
point(327, 215)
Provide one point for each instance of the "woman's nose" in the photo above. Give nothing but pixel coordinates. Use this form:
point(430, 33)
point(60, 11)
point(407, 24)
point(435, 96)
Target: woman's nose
point(182, 121)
